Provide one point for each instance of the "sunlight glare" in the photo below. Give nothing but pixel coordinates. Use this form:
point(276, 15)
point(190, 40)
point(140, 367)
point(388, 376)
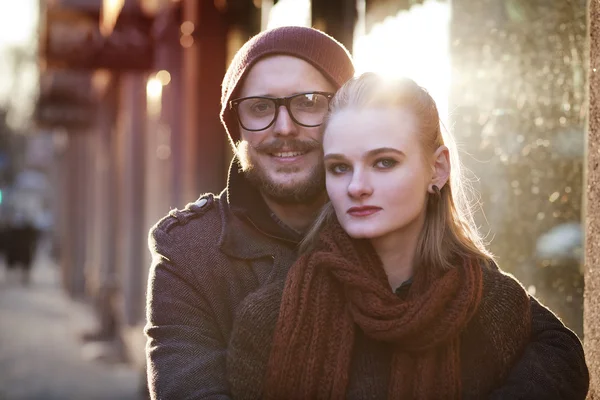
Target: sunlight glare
point(290, 13)
point(413, 43)
point(18, 22)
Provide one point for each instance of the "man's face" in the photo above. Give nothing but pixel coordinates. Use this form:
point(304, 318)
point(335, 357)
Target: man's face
point(285, 160)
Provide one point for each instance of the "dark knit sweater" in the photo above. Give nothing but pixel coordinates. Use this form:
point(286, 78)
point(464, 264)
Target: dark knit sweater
point(207, 258)
point(489, 342)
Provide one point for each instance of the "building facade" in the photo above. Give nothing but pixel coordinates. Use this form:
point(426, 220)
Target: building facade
point(143, 136)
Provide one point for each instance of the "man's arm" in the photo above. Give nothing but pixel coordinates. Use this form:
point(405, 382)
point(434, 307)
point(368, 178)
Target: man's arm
point(552, 366)
point(185, 353)
point(252, 340)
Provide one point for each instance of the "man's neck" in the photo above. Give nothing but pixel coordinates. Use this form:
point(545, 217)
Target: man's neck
point(297, 216)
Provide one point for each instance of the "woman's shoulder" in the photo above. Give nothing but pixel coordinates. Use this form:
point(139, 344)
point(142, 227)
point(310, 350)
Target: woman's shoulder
point(501, 289)
point(505, 303)
point(498, 332)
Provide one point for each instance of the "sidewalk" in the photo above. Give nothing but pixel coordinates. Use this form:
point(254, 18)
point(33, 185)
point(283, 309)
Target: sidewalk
point(40, 354)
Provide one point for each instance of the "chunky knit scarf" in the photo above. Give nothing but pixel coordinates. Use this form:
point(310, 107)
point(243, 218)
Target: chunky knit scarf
point(341, 285)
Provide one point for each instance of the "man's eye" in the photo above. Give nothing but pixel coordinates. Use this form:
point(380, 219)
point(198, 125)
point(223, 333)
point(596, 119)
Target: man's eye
point(261, 106)
point(386, 163)
point(310, 102)
point(307, 104)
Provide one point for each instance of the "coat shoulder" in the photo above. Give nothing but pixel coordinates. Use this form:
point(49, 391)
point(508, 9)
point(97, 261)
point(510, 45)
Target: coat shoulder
point(197, 224)
point(178, 218)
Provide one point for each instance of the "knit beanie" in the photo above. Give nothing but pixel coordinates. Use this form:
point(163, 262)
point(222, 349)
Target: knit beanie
point(322, 51)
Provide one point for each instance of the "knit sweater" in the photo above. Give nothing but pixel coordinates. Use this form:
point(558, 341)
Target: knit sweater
point(488, 344)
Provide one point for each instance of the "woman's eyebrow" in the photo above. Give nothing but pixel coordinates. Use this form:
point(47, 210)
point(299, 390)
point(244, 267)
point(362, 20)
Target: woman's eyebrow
point(370, 153)
point(334, 156)
point(380, 150)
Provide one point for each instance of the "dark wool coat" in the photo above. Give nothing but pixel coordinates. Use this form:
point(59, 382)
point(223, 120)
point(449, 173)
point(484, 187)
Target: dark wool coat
point(207, 258)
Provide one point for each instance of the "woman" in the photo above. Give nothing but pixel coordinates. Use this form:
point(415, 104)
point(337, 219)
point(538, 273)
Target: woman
point(395, 295)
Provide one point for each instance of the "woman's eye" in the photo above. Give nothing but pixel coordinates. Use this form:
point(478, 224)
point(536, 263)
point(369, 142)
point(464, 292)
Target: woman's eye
point(338, 168)
point(385, 163)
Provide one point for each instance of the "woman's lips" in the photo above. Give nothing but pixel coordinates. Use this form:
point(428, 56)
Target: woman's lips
point(363, 211)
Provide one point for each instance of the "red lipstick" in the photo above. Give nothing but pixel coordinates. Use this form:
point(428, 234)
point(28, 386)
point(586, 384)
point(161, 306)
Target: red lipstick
point(363, 211)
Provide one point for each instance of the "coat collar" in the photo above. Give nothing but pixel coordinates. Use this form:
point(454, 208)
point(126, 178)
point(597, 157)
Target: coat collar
point(250, 229)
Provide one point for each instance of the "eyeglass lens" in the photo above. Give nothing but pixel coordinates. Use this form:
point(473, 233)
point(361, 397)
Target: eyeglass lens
point(257, 113)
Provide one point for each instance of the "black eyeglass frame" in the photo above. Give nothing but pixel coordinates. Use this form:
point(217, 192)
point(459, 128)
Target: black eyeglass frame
point(279, 101)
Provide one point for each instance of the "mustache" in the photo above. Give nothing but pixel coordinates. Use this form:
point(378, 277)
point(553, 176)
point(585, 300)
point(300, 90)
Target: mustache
point(295, 145)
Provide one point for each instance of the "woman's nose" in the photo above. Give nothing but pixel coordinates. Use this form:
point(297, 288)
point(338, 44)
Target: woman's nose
point(359, 186)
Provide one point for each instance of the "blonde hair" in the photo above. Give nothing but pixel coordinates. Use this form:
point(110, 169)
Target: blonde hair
point(449, 233)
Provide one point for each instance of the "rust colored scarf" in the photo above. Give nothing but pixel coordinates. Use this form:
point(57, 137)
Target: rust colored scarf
point(342, 283)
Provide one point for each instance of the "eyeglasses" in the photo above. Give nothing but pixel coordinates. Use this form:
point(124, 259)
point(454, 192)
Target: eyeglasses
point(257, 113)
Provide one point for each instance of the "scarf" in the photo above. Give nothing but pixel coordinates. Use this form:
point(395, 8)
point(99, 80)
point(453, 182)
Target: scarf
point(341, 285)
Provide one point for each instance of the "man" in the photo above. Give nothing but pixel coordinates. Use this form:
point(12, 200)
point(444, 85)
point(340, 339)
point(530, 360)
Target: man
point(208, 257)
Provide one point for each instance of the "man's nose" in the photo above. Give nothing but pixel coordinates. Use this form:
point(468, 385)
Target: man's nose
point(359, 186)
point(284, 124)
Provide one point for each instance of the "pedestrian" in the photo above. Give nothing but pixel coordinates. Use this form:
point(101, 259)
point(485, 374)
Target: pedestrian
point(19, 244)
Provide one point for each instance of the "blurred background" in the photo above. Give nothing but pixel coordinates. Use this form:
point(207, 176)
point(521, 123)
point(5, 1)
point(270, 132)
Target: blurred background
point(109, 119)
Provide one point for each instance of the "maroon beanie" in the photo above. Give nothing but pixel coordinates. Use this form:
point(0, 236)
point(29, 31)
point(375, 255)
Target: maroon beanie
point(325, 53)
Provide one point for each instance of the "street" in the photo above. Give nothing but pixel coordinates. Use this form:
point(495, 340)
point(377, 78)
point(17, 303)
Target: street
point(41, 356)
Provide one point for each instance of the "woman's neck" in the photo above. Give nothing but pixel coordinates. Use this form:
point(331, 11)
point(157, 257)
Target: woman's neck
point(397, 252)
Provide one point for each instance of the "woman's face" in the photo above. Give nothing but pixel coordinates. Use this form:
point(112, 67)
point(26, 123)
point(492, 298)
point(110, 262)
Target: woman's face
point(376, 174)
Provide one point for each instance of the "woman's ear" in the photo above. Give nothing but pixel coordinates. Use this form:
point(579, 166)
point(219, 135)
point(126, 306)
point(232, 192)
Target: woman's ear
point(441, 168)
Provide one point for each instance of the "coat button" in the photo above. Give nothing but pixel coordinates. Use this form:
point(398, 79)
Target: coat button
point(197, 205)
point(201, 203)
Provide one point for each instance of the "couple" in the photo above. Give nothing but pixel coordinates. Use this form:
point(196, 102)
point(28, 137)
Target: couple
point(377, 287)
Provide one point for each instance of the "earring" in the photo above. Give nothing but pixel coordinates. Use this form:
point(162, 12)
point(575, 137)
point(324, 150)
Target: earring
point(436, 190)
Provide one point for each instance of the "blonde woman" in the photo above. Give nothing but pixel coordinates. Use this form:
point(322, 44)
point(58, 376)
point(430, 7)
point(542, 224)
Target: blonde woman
point(394, 295)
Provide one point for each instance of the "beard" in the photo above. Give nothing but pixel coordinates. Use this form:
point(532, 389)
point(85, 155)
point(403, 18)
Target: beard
point(306, 191)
